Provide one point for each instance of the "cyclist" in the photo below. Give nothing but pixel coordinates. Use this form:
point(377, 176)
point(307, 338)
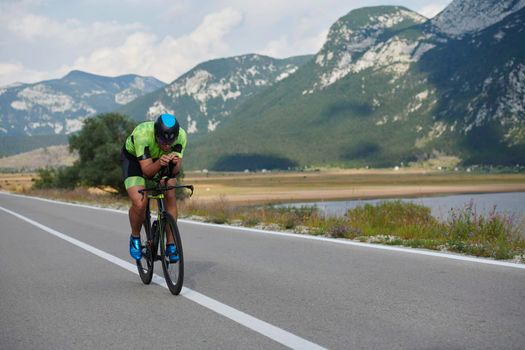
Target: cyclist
point(152, 146)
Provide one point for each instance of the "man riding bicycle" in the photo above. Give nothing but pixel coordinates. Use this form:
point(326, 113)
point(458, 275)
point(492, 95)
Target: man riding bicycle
point(152, 146)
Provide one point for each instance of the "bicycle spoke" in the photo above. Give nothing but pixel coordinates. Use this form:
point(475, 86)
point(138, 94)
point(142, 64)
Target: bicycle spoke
point(145, 264)
point(173, 270)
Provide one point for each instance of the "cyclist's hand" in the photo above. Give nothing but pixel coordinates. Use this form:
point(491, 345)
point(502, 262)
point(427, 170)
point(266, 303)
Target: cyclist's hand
point(174, 159)
point(165, 160)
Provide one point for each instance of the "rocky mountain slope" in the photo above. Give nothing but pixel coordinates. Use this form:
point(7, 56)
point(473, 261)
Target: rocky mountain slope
point(471, 16)
point(59, 106)
point(390, 87)
point(206, 96)
point(55, 156)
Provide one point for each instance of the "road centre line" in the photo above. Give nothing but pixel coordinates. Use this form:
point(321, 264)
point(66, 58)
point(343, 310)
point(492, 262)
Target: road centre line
point(275, 333)
point(310, 237)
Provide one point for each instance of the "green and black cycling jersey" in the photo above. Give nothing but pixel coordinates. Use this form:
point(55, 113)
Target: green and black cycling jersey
point(140, 145)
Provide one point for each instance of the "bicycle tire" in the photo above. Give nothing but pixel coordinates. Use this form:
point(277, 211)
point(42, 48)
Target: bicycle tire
point(146, 264)
point(173, 272)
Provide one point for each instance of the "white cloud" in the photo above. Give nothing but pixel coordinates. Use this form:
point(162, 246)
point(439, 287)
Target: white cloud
point(42, 39)
point(209, 36)
point(285, 46)
point(431, 10)
point(144, 53)
point(70, 31)
point(16, 72)
point(36, 47)
point(10, 68)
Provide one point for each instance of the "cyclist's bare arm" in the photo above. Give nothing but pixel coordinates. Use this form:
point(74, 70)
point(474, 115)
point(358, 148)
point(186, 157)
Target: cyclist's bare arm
point(176, 164)
point(150, 168)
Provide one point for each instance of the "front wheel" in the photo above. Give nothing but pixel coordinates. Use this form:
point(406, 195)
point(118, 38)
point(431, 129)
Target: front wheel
point(173, 271)
point(145, 265)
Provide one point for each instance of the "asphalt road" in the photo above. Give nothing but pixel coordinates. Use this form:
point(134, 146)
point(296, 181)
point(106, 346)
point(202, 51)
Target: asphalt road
point(243, 290)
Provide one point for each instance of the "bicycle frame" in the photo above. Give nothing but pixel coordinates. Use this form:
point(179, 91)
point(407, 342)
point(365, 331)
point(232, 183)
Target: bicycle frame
point(157, 234)
point(153, 237)
point(158, 194)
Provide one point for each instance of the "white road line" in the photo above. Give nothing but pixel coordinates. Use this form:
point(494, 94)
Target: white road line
point(275, 333)
point(315, 238)
point(65, 203)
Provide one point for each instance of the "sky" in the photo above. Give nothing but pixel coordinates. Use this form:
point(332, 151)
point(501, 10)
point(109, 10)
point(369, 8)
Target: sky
point(46, 39)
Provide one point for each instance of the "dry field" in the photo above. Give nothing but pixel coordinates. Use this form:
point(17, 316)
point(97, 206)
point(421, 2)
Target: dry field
point(275, 187)
point(16, 182)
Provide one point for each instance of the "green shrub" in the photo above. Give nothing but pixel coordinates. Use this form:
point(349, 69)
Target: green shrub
point(46, 179)
point(496, 235)
point(393, 223)
point(406, 220)
point(63, 178)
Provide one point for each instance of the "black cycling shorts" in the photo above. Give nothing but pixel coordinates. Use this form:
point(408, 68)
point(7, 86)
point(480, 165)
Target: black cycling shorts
point(131, 171)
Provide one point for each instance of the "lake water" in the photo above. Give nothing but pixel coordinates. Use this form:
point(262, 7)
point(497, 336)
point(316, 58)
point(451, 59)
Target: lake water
point(510, 203)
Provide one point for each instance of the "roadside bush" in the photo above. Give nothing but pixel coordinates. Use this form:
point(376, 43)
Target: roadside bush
point(46, 179)
point(392, 223)
point(340, 228)
point(406, 220)
point(219, 212)
point(289, 217)
point(496, 235)
point(63, 178)
point(251, 218)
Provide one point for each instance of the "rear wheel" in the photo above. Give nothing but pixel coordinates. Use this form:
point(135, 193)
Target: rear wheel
point(173, 271)
point(145, 265)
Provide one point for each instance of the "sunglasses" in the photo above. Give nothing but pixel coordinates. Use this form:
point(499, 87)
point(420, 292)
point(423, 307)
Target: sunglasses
point(166, 139)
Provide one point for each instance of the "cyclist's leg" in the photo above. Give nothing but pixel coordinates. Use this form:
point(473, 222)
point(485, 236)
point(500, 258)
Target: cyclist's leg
point(137, 216)
point(137, 210)
point(171, 204)
point(134, 181)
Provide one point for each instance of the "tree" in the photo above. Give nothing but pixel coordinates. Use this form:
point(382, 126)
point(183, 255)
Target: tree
point(64, 177)
point(99, 144)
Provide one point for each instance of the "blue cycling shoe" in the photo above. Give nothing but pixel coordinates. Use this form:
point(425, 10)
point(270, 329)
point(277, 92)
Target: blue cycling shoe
point(134, 247)
point(171, 253)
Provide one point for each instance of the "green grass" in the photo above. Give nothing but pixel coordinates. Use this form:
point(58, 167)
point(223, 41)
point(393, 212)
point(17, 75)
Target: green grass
point(498, 236)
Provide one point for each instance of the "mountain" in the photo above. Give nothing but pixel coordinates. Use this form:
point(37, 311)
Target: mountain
point(39, 158)
point(389, 87)
point(205, 96)
point(57, 107)
point(480, 80)
point(470, 16)
point(16, 144)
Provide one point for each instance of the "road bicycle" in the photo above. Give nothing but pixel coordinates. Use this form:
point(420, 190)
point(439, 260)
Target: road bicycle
point(157, 232)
